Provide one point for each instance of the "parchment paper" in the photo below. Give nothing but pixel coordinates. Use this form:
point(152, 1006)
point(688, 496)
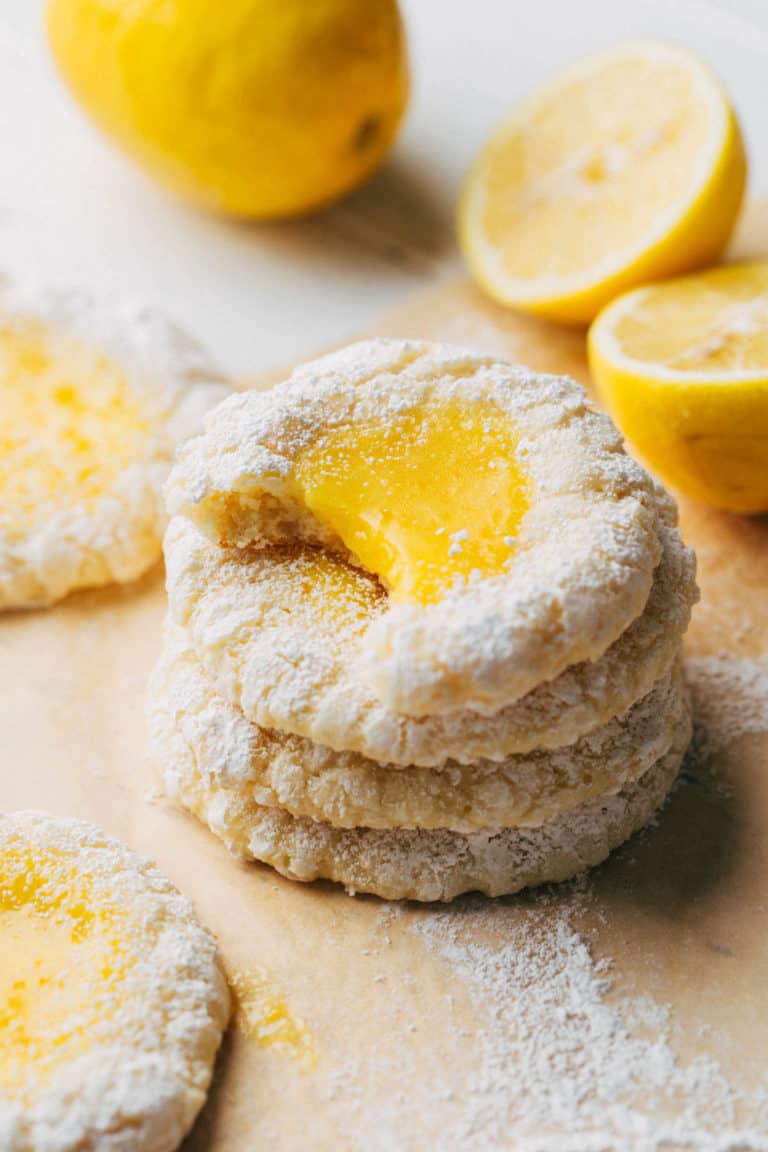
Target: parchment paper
point(682, 912)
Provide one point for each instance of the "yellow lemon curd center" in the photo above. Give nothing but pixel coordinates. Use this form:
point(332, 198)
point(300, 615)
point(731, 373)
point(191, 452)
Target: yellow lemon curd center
point(266, 1017)
point(61, 961)
point(68, 424)
point(429, 497)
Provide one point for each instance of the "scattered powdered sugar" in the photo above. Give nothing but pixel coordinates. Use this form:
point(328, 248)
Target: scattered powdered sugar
point(457, 541)
point(561, 1063)
point(561, 1066)
point(730, 699)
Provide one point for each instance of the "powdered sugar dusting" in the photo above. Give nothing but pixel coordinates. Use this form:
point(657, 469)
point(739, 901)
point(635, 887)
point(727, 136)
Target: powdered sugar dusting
point(730, 699)
point(561, 1062)
point(562, 1066)
point(588, 542)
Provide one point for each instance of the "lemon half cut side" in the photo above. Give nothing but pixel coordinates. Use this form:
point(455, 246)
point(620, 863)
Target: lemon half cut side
point(627, 168)
point(683, 368)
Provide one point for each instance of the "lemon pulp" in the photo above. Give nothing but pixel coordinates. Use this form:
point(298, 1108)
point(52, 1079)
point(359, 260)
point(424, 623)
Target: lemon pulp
point(61, 963)
point(716, 322)
point(429, 497)
point(593, 155)
point(683, 367)
point(68, 424)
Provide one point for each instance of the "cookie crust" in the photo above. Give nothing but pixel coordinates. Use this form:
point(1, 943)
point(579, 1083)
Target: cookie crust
point(144, 1072)
point(429, 865)
point(287, 664)
point(347, 790)
point(117, 535)
point(586, 548)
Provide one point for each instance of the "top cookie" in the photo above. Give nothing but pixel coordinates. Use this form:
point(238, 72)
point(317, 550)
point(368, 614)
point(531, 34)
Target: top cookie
point(94, 399)
point(512, 534)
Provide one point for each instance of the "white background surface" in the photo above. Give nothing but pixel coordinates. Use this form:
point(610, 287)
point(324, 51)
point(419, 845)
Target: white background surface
point(73, 211)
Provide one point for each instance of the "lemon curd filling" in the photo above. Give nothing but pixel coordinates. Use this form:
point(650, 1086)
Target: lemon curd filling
point(61, 964)
point(68, 424)
point(429, 497)
point(266, 1017)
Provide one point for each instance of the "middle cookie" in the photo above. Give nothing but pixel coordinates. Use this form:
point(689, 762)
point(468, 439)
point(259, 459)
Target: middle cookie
point(276, 630)
point(346, 790)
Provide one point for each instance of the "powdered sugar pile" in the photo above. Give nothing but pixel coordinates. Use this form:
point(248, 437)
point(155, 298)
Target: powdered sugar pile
point(730, 699)
point(562, 1068)
point(560, 1063)
point(525, 1034)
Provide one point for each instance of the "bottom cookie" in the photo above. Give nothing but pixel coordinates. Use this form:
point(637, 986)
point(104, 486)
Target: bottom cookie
point(427, 865)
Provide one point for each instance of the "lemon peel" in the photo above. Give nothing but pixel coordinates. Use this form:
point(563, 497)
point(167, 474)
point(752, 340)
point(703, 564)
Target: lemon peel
point(254, 108)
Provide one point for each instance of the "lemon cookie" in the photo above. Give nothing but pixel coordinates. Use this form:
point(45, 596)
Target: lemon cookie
point(112, 996)
point(277, 628)
point(427, 864)
point(513, 535)
point(348, 791)
point(93, 402)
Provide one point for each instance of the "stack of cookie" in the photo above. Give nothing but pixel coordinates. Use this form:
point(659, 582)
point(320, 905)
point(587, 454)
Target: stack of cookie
point(424, 628)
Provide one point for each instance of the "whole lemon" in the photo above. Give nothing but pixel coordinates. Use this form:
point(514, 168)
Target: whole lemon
point(257, 108)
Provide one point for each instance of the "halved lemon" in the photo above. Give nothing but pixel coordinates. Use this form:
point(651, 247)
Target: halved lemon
point(628, 168)
point(683, 367)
